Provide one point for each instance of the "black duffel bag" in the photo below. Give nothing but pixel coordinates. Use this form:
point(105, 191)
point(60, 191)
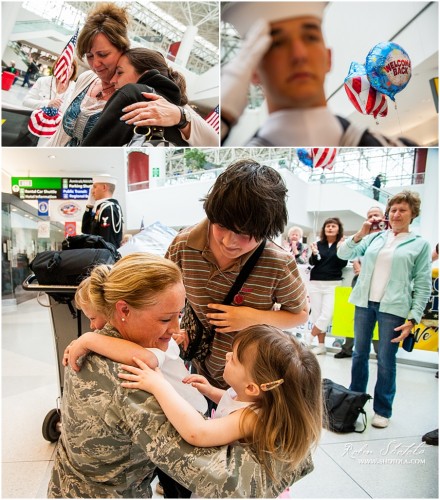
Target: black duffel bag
point(68, 267)
point(89, 241)
point(342, 407)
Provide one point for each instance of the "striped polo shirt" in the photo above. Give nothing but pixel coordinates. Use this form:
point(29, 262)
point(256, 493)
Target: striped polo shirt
point(274, 280)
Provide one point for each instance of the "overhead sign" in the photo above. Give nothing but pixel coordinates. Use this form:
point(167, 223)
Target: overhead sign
point(52, 188)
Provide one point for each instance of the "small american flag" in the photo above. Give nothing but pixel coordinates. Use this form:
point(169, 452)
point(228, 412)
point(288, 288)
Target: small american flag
point(214, 119)
point(64, 63)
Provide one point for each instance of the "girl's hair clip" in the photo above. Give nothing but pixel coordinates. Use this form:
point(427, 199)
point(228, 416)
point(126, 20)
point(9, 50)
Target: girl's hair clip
point(268, 386)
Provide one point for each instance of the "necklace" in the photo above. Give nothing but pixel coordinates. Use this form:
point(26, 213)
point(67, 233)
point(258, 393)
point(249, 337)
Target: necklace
point(102, 93)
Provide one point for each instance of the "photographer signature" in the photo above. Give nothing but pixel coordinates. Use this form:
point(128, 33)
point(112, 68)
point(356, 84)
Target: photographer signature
point(393, 448)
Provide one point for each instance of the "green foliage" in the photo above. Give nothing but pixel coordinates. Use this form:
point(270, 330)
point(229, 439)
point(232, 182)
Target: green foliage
point(195, 159)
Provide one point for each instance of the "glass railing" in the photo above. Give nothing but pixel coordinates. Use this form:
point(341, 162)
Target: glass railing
point(282, 159)
point(178, 179)
point(19, 52)
point(39, 25)
point(363, 187)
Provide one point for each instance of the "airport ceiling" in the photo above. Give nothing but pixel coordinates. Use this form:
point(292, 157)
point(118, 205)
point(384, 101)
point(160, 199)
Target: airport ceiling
point(204, 15)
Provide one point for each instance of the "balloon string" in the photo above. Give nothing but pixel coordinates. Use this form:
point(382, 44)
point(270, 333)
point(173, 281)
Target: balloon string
point(398, 118)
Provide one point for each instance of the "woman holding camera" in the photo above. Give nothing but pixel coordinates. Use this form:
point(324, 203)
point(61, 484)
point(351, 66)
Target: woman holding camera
point(392, 290)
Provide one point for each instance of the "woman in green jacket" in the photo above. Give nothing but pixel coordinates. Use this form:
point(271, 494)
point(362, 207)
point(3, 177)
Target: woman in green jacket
point(392, 290)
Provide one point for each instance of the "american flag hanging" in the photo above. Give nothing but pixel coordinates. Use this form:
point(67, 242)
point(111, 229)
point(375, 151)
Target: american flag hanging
point(62, 67)
point(214, 119)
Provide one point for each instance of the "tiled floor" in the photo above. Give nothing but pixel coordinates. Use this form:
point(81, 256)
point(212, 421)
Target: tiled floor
point(379, 463)
point(15, 94)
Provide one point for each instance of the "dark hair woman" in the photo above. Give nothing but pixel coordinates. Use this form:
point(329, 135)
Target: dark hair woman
point(325, 276)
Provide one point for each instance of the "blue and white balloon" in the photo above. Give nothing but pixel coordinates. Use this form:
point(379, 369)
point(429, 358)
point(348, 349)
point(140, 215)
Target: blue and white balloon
point(388, 68)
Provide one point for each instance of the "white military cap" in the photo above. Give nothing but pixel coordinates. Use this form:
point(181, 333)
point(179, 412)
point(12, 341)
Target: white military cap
point(104, 179)
point(242, 15)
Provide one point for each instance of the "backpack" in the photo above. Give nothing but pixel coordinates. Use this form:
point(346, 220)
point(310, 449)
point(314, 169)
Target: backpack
point(89, 241)
point(68, 267)
point(342, 407)
point(79, 255)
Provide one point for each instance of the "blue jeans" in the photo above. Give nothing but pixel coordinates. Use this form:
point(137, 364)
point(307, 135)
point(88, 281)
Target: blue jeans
point(364, 321)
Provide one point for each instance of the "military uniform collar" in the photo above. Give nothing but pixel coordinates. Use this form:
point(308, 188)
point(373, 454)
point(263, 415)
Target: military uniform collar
point(302, 127)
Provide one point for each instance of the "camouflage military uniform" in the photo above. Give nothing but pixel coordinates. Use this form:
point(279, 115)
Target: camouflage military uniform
point(113, 438)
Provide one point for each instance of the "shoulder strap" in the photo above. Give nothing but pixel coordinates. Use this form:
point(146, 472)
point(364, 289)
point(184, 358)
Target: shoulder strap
point(364, 421)
point(244, 273)
point(352, 134)
point(257, 141)
point(363, 137)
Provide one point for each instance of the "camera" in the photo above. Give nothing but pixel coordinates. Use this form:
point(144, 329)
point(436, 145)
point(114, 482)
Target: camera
point(380, 225)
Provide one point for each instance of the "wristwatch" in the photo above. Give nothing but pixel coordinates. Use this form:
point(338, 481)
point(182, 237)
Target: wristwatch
point(185, 117)
point(413, 321)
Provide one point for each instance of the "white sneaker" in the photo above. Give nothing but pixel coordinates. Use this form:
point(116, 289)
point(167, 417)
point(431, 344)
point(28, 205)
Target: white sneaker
point(309, 340)
point(379, 421)
point(319, 349)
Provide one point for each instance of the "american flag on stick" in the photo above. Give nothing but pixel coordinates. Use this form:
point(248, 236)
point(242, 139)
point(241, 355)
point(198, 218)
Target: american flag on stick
point(214, 119)
point(64, 63)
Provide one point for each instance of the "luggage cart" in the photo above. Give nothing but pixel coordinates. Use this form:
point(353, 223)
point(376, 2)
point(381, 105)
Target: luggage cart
point(68, 323)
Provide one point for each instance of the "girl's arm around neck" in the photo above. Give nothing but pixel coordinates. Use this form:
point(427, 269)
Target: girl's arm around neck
point(119, 350)
point(190, 424)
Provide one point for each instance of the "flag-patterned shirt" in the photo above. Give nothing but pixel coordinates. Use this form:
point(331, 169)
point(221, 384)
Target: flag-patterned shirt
point(274, 280)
